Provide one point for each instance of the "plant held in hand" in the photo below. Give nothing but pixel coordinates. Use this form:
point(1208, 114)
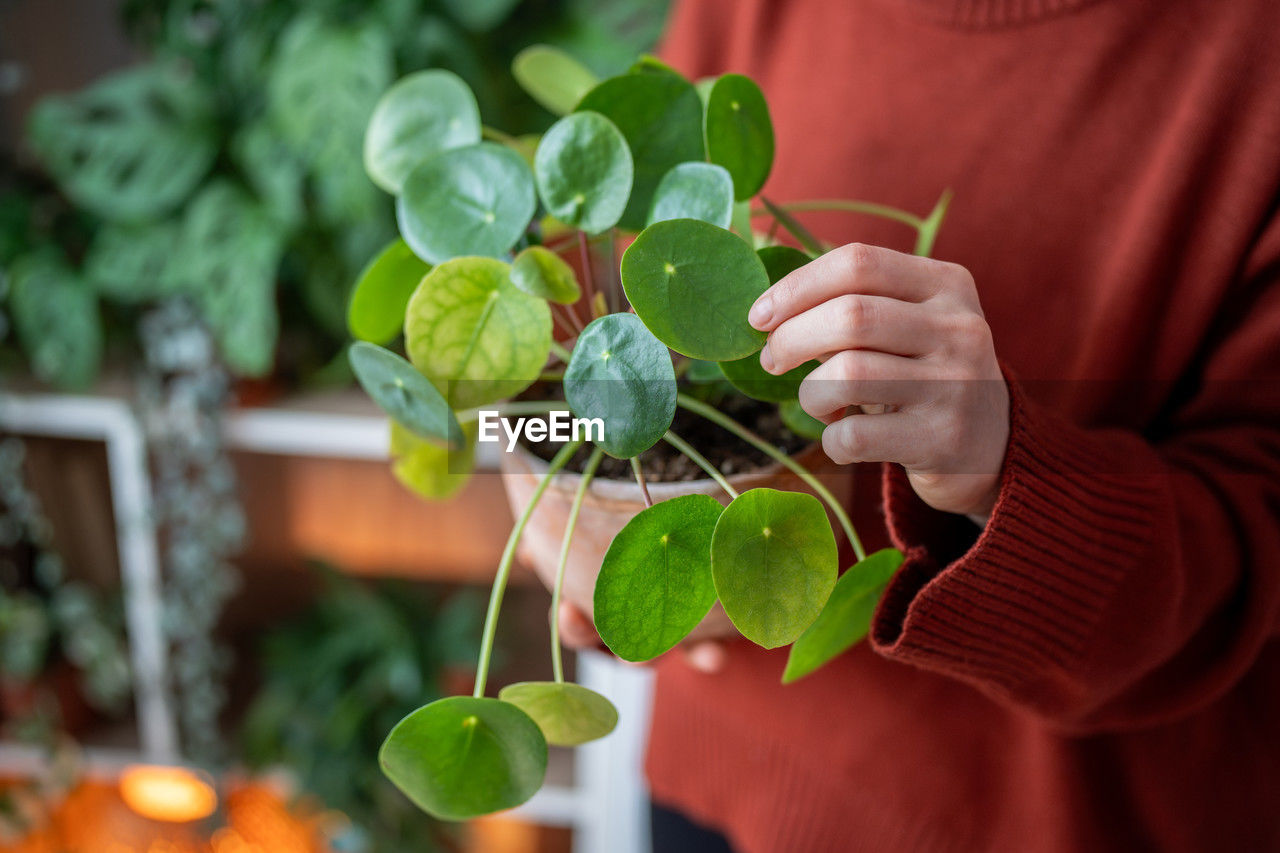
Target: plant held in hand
point(478, 283)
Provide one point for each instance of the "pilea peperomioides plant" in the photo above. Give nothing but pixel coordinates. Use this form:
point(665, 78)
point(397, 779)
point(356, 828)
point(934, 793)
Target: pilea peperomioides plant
point(476, 284)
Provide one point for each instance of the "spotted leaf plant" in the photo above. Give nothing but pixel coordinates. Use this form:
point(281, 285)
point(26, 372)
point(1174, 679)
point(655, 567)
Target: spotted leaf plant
point(476, 285)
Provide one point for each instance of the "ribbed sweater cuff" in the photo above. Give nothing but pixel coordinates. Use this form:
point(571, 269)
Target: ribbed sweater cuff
point(1019, 604)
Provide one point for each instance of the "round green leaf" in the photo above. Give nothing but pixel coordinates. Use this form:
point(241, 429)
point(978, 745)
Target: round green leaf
point(568, 714)
point(655, 584)
point(430, 470)
point(799, 421)
point(422, 114)
point(692, 284)
point(473, 334)
point(476, 200)
point(463, 757)
point(751, 379)
point(846, 618)
point(378, 301)
point(583, 169)
point(780, 261)
point(660, 114)
point(540, 272)
point(404, 393)
point(694, 191)
point(623, 375)
point(552, 77)
point(740, 133)
point(773, 558)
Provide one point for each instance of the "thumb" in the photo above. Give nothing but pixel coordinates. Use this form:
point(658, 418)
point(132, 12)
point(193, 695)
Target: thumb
point(576, 630)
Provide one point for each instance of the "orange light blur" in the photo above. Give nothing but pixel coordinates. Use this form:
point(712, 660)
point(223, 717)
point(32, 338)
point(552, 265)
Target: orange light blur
point(171, 794)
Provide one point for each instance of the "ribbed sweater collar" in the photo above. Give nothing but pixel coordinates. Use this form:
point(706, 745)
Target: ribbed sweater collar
point(978, 14)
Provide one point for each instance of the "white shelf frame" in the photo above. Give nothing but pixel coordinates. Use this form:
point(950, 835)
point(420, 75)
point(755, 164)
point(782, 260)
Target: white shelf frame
point(607, 804)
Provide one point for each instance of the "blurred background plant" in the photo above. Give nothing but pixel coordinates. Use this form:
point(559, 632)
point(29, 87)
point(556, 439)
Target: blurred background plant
point(219, 168)
point(335, 677)
point(62, 642)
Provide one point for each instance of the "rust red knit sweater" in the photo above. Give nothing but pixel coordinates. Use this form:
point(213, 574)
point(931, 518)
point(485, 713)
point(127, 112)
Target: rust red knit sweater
point(1098, 670)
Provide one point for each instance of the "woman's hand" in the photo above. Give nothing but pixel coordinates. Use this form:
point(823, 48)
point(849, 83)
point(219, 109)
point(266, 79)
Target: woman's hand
point(903, 343)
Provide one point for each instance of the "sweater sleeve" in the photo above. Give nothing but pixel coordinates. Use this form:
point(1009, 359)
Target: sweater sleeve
point(1122, 580)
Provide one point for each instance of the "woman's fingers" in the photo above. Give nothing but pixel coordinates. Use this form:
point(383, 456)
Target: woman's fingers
point(863, 377)
point(576, 630)
point(706, 656)
point(855, 268)
point(888, 437)
point(851, 321)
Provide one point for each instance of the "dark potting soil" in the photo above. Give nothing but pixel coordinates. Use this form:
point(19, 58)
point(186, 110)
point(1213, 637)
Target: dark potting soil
point(663, 464)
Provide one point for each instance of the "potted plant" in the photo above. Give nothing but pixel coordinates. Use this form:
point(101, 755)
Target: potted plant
point(477, 286)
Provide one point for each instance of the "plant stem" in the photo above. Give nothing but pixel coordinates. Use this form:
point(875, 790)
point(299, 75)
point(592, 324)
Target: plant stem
point(588, 275)
point(701, 461)
point(723, 420)
point(508, 557)
point(849, 206)
point(497, 135)
point(928, 231)
point(794, 227)
point(644, 488)
point(588, 473)
point(560, 352)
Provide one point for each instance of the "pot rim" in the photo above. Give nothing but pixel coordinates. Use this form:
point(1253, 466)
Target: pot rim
point(627, 490)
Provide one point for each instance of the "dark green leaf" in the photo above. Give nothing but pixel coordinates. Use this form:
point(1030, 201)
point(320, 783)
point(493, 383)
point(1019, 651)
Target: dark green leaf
point(463, 757)
point(751, 379)
point(134, 263)
point(473, 334)
point(56, 317)
point(692, 284)
point(378, 301)
point(568, 714)
point(583, 169)
point(552, 77)
point(476, 200)
point(655, 584)
point(740, 133)
point(323, 83)
point(694, 191)
point(480, 15)
point(404, 393)
point(421, 115)
point(799, 421)
point(773, 558)
point(846, 618)
point(229, 255)
point(272, 170)
point(780, 261)
point(623, 375)
point(540, 272)
point(130, 147)
point(660, 114)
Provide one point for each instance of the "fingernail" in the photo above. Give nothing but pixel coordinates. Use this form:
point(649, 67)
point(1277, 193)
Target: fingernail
point(706, 658)
point(761, 312)
point(766, 359)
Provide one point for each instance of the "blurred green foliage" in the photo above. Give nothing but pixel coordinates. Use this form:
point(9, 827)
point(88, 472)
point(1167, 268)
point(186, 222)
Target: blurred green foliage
point(221, 168)
point(337, 676)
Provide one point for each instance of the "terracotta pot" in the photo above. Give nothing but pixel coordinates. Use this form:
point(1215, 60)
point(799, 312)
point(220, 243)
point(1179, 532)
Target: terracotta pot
point(610, 504)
